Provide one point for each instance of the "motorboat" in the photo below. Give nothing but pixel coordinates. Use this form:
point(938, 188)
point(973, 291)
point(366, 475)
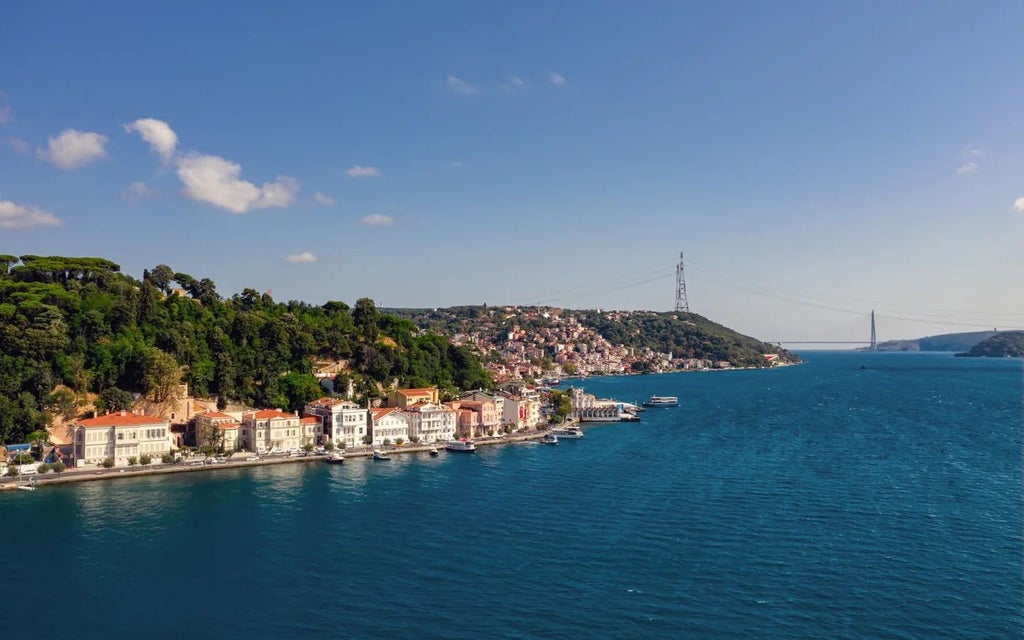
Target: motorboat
point(380, 455)
point(434, 452)
point(549, 439)
point(335, 457)
point(570, 432)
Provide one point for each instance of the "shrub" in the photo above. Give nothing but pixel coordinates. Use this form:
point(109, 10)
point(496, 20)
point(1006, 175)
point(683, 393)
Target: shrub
point(329, 446)
point(167, 458)
point(43, 468)
point(132, 461)
point(58, 467)
point(145, 459)
point(414, 439)
point(108, 463)
point(12, 470)
point(399, 441)
point(24, 458)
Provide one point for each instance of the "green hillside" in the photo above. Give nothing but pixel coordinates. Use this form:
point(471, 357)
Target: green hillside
point(1005, 344)
point(944, 342)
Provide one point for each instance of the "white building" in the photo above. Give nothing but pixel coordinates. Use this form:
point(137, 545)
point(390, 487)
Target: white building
point(340, 421)
point(388, 424)
point(120, 436)
point(270, 429)
point(431, 422)
point(219, 429)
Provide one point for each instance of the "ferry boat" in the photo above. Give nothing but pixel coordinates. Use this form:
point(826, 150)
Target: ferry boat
point(662, 401)
point(572, 433)
point(460, 445)
point(380, 455)
point(549, 439)
point(335, 457)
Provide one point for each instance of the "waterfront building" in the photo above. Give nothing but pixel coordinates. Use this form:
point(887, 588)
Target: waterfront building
point(218, 429)
point(431, 422)
point(487, 417)
point(119, 436)
point(475, 417)
point(405, 398)
point(271, 429)
point(339, 421)
point(388, 424)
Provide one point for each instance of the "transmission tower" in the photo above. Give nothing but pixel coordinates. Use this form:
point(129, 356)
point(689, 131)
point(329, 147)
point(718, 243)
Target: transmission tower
point(681, 303)
point(874, 342)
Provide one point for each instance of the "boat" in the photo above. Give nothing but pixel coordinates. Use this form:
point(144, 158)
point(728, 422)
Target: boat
point(571, 432)
point(434, 451)
point(460, 445)
point(335, 457)
point(380, 455)
point(662, 401)
point(549, 439)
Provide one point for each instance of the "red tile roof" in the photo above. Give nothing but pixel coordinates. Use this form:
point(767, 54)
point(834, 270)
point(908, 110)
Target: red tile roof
point(121, 419)
point(268, 414)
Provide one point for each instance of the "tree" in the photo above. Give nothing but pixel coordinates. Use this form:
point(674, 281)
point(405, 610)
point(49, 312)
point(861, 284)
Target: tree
point(108, 463)
point(329, 446)
point(39, 439)
point(132, 461)
point(307, 447)
point(167, 458)
point(12, 471)
point(569, 368)
point(161, 376)
point(62, 402)
point(366, 318)
point(113, 399)
point(43, 468)
point(399, 441)
point(58, 467)
point(144, 459)
point(23, 458)
point(161, 277)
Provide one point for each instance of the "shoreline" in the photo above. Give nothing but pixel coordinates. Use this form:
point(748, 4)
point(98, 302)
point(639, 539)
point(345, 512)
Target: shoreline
point(90, 475)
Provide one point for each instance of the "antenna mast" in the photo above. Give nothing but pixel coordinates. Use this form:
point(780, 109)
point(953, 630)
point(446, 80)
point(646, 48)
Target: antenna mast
point(681, 302)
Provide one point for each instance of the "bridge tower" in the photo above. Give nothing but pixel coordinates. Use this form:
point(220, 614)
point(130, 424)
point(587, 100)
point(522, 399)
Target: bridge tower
point(682, 304)
point(874, 341)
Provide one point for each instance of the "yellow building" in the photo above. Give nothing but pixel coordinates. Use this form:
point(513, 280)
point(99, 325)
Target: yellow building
point(405, 398)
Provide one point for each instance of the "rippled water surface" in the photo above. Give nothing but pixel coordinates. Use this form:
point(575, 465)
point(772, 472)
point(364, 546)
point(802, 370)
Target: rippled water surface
point(824, 500)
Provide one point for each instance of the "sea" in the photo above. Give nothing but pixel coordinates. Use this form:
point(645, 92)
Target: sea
point(858, 495)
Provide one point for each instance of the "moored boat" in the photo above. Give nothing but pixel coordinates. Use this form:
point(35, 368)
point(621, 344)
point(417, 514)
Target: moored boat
point(570, 432)
point(662, 401)
point(460, 445)
point(380, 455)
point(335, 457)
point(549, 439)
point(434, 451)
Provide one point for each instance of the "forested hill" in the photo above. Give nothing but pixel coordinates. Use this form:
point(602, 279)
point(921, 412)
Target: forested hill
point(74, 327)
point(1005, 344)
point(944, 342)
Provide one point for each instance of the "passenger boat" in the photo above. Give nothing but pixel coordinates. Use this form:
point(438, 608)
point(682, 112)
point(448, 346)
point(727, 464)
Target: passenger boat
point(380, 455)
point(460, 445)
point(335, 457)
point(571, 432)
point(662, 401)
point(549, 439)
point(434, 452)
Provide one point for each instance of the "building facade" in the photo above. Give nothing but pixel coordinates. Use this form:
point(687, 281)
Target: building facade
point(340, 421)
point(218, 430)
point(431, 422)
point(271, 430)
point(388, 426)
point(119, 436)
point(405, 398)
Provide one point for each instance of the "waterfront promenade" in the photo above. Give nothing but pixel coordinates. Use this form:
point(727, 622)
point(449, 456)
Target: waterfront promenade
point(184, 465)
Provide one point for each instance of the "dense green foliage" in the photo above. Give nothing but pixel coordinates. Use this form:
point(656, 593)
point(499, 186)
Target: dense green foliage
point(1005, 344)
point(685, 335)
point(80, 322)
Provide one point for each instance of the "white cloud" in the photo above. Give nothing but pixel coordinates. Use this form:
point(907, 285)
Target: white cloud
point(20, 217)
point(377, 220)
point(970, 167)
point(970, 151)
point(362, 172)
point(157, 133)
point(299, 258)
point(1018, 204)
point(137, 189)
point(556, 79)
point(215, 180)
point(5, 109)
point(74, 148)
point(18, 144)
point(513, 83)
point(323, 198)
point(458, 85)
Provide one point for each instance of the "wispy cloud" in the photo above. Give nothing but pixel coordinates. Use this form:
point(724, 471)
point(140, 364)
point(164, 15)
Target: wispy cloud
point(215, 180)
point(323, 198)
point(377, 220)
point(359, 171)
point(6, 115)
point(969, 167)
point(19, 217)
point(157, 133)
point(972, 155)
point(73, 148)
point(513, 83)
point(301, 258)
point(18, 144)
point(458, 85)
point(556, 79)
point(136, 190)
point(1018, 204)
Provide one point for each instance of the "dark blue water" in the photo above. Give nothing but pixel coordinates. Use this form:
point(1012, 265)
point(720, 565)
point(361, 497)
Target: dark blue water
point(819, 501)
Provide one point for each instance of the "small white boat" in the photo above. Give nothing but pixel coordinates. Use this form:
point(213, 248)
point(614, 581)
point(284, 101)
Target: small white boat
point(380, 455)
point(662, 401)
point(335, 457)
point(571, 432)
point(460, 445)
point(549, 439)
point(434, 451)
point(27, 487)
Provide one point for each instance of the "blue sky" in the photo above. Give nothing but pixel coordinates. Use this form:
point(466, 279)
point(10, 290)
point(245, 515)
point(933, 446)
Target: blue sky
point(813, 160)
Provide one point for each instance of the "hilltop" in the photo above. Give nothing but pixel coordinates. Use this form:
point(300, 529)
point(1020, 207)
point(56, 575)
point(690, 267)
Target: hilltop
point(1005, 344)
point(538, 341)
point(943, 342)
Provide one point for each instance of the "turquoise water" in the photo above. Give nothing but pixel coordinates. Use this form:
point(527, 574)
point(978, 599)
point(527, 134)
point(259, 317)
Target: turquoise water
point(819, 501)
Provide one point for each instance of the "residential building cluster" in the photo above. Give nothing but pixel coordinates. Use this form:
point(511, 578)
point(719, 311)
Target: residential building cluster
point(521, 343)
